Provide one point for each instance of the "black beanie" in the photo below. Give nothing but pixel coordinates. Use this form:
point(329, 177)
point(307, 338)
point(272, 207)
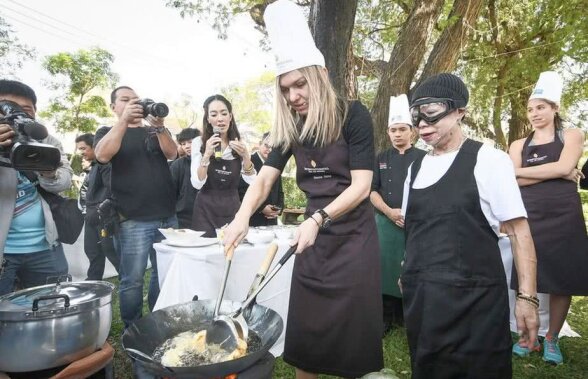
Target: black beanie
point(444, 85)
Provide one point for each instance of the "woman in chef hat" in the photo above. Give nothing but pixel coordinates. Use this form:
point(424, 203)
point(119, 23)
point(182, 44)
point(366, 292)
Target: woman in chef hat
point(334, 321)
point(546, 169)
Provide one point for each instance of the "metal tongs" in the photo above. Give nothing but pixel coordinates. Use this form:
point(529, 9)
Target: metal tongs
point(227, 329)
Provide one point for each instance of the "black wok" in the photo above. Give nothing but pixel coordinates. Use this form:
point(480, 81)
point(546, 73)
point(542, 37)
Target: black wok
point(149, 332)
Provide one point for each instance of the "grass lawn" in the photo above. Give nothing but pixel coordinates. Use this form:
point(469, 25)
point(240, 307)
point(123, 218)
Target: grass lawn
point(396, 356)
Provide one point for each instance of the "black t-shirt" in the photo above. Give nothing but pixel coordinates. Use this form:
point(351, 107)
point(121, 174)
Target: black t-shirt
point(185, 191)
point(390, 172)
point(98, 184)
point(141, 181)
point(358, 133)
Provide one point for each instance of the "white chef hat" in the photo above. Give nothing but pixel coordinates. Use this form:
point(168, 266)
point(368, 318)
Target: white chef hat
point(290, 37)
point(549, 87)
point(399, 111)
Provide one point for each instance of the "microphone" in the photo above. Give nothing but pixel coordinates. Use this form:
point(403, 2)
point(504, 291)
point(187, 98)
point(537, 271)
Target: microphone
point(218, 152)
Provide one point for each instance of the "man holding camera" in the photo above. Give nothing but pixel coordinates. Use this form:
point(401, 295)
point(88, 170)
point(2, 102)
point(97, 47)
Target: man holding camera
point(97, 246)
point(141, 185)
point(29, 250)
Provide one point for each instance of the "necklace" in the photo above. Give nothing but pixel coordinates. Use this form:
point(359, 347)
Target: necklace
point(434, 154)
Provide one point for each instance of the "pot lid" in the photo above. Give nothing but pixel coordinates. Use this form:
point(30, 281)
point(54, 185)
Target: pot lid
point(55, 299)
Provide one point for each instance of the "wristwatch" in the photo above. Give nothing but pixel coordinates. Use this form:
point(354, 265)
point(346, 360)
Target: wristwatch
point(326, 218)
point(159, 129)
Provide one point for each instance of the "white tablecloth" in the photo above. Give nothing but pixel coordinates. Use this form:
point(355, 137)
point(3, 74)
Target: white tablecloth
point(507, 259)
point(185, 272)
point(78, 261)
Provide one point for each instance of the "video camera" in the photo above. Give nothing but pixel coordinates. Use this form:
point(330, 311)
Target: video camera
point(150, 107)
point(26, 153)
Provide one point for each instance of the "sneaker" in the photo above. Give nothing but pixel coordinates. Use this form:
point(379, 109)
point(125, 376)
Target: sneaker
point(551, 351)
point(523, 351)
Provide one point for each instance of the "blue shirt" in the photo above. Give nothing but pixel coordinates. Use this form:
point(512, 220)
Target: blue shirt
point(27, 229)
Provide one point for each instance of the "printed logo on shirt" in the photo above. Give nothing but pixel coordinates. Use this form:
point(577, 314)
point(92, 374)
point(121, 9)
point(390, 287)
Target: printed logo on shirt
point(383, 166)
point(26, 195)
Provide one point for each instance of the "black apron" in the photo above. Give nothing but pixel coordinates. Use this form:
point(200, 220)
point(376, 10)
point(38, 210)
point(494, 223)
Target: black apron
point(218, 201)
point(335, 313)
point(456, 307)
point(554, 211)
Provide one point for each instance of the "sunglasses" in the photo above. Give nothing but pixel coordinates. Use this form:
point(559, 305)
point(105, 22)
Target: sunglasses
point(431, 110)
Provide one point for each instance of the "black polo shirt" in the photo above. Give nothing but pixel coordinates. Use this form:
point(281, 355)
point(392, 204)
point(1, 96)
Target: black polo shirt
point(390, 172)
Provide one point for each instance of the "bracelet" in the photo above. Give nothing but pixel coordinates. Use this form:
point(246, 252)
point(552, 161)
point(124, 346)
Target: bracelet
point(534, 300)
point(533, 304)
point(314, 219)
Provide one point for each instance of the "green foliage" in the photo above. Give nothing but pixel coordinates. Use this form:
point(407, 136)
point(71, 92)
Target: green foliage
point(526, 38)
point(293, 196)
point(186, 112)
point(12, 52)
point(252, 102)
point(76, 76)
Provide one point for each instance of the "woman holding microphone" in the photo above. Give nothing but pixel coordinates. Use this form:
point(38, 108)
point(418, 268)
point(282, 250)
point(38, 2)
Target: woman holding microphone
point(219, 160)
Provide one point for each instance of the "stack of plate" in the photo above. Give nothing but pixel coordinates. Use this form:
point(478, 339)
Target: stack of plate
point(185, 238)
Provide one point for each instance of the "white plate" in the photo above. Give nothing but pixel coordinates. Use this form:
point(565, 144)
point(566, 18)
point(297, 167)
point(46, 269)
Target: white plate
point(202, 241)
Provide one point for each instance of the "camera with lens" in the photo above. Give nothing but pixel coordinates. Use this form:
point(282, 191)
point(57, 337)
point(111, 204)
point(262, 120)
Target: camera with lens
point(26, 153)
point(150, 107)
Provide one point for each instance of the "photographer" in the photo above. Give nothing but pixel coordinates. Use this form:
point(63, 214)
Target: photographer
point(28, 235)
point(97, 183)
point(142, 187)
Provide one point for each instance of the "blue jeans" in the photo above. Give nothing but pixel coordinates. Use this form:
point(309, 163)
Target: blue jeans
point(134, 242)
point(32, 269)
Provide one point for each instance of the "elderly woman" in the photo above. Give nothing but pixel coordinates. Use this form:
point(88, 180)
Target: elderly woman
point(454, 287)
point(545, 164)
point(335, 313)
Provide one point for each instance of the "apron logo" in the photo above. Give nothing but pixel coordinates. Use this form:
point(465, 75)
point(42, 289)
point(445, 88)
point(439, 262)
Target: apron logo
point(383, 165)
point(535, 155)
point(312, 163)
point(224, 168)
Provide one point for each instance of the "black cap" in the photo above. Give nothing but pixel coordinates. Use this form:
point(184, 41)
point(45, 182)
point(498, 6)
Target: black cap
point(444, 85)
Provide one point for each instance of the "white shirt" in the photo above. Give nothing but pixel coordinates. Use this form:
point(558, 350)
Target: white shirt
point(500, 197)
point(197, 158)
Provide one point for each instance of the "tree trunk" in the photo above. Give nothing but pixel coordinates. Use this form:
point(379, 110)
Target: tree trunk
point(497, 107)
point(331, 23)
point(454, 38)
point(404, 61)
point(350, 74)
point(518, 126)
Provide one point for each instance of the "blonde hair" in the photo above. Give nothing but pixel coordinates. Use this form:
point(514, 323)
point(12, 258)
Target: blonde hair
point(323, 123)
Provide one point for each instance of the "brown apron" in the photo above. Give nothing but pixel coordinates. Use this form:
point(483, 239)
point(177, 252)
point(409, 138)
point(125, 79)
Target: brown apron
point(554, 211)
point(218, 200)
point(335, 313)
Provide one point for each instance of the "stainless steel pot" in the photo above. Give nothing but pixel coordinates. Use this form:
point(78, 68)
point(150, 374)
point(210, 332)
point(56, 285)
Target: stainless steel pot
point(53, 325)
